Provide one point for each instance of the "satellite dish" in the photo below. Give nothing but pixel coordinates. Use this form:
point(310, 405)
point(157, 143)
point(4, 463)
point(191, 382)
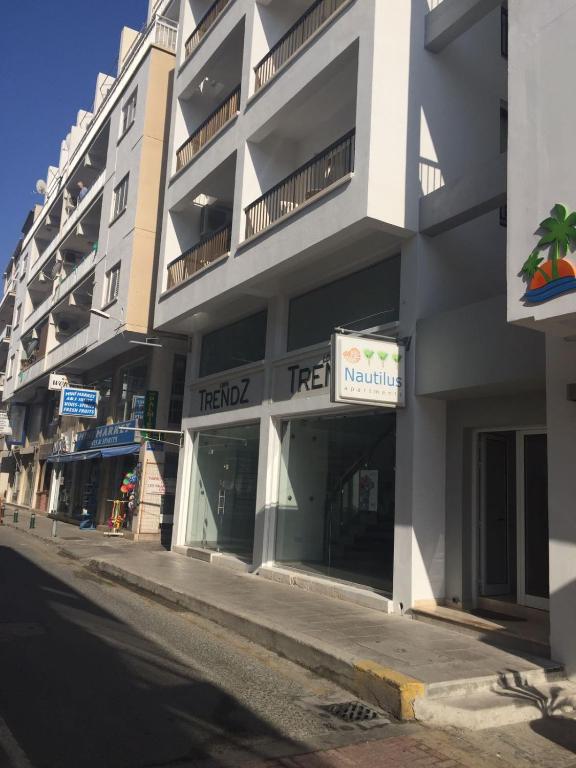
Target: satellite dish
point(41, 187)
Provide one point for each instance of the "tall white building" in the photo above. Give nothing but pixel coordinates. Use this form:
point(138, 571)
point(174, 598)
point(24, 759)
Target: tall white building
point(83, 307)
point(343, 163)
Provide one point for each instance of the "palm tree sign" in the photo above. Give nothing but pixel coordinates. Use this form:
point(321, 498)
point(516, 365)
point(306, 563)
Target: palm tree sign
point(559, 230)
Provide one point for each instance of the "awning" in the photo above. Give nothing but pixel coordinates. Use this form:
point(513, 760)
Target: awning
point(101, 453)
point(120, 450)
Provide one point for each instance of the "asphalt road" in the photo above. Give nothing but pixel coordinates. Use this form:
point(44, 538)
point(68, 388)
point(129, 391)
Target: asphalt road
point(95, 675)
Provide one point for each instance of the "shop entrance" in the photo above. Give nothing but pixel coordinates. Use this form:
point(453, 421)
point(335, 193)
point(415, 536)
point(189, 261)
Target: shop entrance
point(336, 498)
point(513, 517)
point(223, 499)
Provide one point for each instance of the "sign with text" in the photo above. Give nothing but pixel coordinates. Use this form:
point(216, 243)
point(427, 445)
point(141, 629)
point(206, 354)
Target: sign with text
point(367, 370)
point(5, 428)
point(79, 402)
point(57, 381)
point(121, 433)
point(241, 392)
point(303, 377)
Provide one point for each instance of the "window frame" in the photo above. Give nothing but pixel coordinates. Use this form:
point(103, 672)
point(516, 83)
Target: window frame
point(113, 272)
point(120, 194)
point(128, 113)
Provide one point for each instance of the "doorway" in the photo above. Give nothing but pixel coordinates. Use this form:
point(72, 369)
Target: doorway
point(513, 517)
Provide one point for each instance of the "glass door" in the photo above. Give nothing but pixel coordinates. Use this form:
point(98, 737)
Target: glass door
point(532, 519)
point(223, 499)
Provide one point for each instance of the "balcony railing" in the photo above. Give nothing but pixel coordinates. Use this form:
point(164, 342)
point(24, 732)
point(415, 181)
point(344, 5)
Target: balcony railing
point(166, 33)
point(204, 26)
point(201, 255)
point(288, 45)
point(303, 185)
point(209, 128)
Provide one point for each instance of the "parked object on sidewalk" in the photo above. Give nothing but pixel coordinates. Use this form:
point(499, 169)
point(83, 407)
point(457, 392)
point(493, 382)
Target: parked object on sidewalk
point(15, 515)
point(32, 519)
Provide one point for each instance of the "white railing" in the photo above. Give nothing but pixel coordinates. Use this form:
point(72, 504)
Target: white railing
point(166, 33)
point(6, 334)
point(67, 349)
point(431, 176)
point(70, 222)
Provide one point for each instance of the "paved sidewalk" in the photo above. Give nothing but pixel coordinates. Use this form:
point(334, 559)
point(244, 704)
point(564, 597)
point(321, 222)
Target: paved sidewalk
point(388, 659)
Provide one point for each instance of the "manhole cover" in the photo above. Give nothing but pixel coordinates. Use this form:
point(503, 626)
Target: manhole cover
point(353, 711)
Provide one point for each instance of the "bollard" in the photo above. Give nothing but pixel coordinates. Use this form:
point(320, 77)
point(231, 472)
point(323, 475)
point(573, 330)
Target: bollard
point(1, 514)
point(15, 515)
point(32, 519)
point(54, 528)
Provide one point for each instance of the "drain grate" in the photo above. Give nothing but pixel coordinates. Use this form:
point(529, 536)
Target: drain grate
point(353, 711)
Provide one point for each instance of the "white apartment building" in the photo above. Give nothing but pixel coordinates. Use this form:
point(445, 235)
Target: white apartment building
point(542, 265)
point(83, 306)
point(343, 163)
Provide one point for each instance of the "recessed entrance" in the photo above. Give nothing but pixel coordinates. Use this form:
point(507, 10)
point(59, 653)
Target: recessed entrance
point(513, 517)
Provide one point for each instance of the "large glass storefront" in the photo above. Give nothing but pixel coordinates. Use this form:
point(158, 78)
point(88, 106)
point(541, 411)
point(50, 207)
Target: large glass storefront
point(336, 498)
point(223, 494)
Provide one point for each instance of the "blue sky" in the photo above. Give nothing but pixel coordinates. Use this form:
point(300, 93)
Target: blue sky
point(50, 56)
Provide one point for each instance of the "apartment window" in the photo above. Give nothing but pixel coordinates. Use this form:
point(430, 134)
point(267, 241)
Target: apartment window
point(24, 267)
point(17, 314)
point(10, 369)
point(128, 113)
point(177, 390)
point(365, 299)
point(234, 345)
point(120, 197)
point(504, 31)
point(112, 283)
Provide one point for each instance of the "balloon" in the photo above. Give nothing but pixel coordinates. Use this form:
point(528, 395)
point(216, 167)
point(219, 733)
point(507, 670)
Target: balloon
point(124, 489)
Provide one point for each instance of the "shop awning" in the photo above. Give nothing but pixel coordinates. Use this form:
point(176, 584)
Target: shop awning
point(100, 453)
point(120, 450)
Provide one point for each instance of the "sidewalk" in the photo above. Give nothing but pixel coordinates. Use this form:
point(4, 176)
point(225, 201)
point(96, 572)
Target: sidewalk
point(408, 667)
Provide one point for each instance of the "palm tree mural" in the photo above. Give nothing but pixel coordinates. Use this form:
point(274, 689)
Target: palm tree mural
point(551, 277)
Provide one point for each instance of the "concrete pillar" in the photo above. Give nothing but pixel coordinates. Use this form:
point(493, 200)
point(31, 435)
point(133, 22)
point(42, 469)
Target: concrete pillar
point(561, 420)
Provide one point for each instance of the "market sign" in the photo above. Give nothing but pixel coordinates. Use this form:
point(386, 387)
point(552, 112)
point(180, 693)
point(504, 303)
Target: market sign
point(79, 402)
point(367, 370)
point(121, 433)
point(57, 382)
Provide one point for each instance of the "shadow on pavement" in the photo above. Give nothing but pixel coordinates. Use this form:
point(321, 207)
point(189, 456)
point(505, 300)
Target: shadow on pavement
point(79, 687)
point(552, 723)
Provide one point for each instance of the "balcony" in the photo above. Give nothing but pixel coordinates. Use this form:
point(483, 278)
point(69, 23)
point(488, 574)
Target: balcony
point(304, 185)
point(69, 348)
point(204, 26)
point(221, 116)
point(203, 254)
point(6, 334)
point(319, 13)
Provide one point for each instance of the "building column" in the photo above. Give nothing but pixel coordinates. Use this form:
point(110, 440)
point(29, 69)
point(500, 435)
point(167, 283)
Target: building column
point(420, 517)
point(561, 421)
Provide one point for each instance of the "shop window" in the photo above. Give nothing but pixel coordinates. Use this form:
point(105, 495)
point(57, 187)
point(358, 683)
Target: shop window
point(177, 390)
point(362, 300)
point(234, 345)
point(336, 498)
point(104, 387)
point(223, 493)
point(132, 385)
point(120, 197)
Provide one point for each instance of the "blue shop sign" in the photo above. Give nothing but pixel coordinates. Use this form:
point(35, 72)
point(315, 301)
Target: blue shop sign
point(79, 402)
point(104, 437)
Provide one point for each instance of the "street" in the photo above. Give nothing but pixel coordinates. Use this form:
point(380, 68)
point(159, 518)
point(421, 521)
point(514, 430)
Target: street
point(96, 675)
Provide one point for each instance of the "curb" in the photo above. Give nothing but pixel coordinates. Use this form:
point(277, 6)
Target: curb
point(386, 688)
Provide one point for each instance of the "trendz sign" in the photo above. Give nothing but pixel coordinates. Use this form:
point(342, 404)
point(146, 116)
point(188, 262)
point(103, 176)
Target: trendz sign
point(367, 371)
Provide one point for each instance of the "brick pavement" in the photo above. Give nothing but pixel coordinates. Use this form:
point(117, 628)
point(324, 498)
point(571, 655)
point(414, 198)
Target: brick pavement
point(395, 752)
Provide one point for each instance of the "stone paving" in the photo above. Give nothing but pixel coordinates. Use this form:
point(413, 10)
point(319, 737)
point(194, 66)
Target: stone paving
point(338, 629)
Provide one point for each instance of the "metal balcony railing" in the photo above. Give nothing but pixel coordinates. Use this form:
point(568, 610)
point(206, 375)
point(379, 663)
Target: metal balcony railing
point(209, 128)
point(204, 26)
point(200, 255)
point(288, 45)
point(304, 184)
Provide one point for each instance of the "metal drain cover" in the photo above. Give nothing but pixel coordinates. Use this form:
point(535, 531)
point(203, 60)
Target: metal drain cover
point(353, 711)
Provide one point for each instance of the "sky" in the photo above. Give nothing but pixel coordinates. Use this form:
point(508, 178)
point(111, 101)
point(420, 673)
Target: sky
point(50, 55)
